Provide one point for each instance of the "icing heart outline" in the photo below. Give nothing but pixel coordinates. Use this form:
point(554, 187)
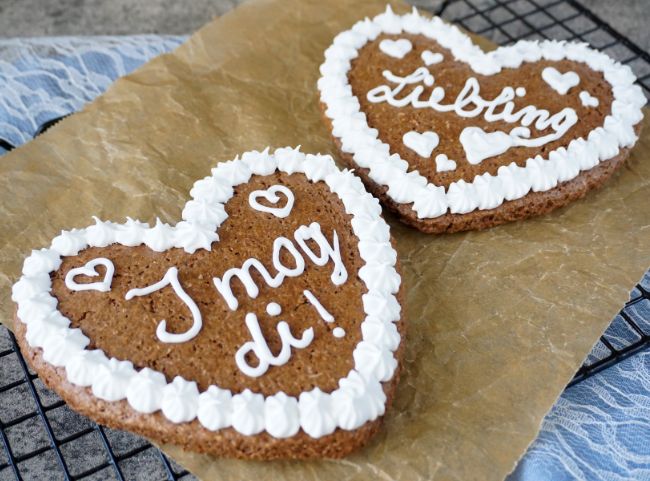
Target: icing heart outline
point(315, 412)
point(88, 269)
point(350, 127)
point(271, 195)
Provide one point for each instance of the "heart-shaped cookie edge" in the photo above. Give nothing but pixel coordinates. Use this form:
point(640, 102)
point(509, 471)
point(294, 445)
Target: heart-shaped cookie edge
point(357, 140)
point(359, 398)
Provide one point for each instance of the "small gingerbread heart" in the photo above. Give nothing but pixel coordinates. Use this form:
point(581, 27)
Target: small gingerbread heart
point(531, 126)
point(247, 329)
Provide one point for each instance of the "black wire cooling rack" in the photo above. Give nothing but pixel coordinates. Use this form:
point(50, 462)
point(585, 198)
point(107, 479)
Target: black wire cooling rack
point(43, 439)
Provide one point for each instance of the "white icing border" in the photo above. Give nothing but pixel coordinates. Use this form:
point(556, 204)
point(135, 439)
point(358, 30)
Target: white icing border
point(350, 126)
point(359, 397)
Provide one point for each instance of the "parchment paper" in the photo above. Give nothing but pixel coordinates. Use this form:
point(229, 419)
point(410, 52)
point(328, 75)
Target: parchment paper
point(499, 320)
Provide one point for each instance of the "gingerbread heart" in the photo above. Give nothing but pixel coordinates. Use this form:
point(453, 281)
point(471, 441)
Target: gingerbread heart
point(266, 324)
point(529, 127)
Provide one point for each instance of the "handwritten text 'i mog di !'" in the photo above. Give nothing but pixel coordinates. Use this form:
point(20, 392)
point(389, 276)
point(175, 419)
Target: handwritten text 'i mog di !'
point(258, 345)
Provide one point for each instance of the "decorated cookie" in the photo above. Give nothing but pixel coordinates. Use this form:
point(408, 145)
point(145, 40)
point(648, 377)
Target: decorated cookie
point(452, 138)
point(266, 324)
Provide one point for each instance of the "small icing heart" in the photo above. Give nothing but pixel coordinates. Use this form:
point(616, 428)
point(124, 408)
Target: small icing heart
point(431, 58)
point(271, 195)
point(421, 143)
point(395, 48)
point(444, 164)
point(89, 270)
point(560, 82)
point(480, 145)
point(588, 100)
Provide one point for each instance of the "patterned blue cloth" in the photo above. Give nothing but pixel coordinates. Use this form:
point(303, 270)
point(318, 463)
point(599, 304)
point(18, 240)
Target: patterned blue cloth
point(597, 430)
point(45, 78)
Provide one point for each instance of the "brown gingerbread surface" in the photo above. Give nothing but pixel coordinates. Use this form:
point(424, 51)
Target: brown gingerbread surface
point(127, 329)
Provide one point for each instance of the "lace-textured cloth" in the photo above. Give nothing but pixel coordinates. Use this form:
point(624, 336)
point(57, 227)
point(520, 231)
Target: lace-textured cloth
point(599, 429)
point(45, 78)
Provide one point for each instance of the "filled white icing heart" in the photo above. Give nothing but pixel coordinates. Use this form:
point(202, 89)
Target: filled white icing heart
point(396, 48)
point(431, 58)
point(444, 163)
point(271, 195)
point(560, 82)
point(588, 100)
point(421, 143)
point(89, 270)
point(480, 145)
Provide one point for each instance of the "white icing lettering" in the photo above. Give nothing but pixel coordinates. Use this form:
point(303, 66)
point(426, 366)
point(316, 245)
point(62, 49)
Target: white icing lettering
point(278, 245)
point(322, 312)
point(273, 309)
point(260, 348)
point(243, 273)
point(171, 278)
point(338, 332)
point(327, 251)
point(470, 104)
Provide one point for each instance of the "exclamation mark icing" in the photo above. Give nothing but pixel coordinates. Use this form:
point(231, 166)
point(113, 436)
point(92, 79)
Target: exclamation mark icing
point(273, 309)
point(338, 332)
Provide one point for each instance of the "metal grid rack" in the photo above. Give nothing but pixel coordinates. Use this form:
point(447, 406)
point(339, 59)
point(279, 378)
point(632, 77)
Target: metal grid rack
point(41, 435)
point(506, 21)
point(42, 438)
point(628, 333)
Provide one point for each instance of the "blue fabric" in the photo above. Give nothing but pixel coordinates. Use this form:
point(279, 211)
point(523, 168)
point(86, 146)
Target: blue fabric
point(597, 430)
point(45, 78)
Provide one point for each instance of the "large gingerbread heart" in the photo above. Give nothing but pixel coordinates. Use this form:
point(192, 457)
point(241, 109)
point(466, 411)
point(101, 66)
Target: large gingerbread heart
point(266, 324)
point(452, 138)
